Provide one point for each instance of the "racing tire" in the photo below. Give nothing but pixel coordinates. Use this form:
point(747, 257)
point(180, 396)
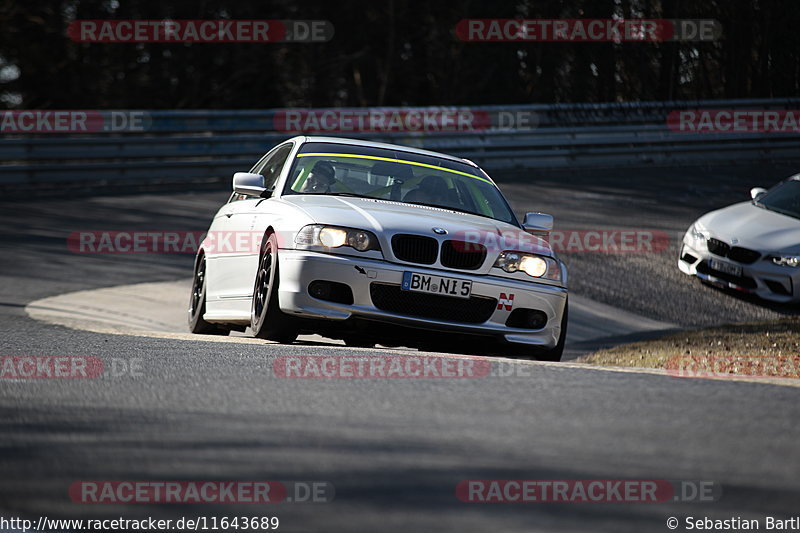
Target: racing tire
point(266, 318)
point(197, 303)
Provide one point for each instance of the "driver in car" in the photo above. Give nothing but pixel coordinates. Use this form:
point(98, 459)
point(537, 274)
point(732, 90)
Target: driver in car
point(321, 179)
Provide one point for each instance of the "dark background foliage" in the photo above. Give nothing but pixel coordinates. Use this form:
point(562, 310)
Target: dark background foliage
point(393, 52)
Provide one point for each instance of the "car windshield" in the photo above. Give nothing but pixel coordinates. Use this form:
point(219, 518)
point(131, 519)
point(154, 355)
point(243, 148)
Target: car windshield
point(784, 199)
point(358, 171)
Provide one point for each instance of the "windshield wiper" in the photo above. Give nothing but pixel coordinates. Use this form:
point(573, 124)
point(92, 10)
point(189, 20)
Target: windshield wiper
point(439, 206)
point(351, 195)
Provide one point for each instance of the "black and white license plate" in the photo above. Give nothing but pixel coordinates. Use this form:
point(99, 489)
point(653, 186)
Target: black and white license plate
point(416, 282)
point(727, 268)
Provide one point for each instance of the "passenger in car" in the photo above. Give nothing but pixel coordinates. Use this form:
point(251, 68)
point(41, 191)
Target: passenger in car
point(432, 190)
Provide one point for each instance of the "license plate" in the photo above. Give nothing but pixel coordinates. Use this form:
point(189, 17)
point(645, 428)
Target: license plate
point(416, 282)
point(727, 268)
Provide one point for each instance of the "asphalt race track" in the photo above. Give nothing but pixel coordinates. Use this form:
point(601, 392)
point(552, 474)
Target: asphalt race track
point(159, 309)
point(176, 408)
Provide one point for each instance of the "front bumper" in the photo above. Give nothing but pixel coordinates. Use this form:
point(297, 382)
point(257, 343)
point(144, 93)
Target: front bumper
point(299, 268)
point(761, 278)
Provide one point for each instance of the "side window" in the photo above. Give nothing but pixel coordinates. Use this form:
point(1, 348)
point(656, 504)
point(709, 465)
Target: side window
point(271, 166)
point(236, 197)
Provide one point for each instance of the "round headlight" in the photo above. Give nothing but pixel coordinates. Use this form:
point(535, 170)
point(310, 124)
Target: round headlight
point(790, 261)
point(533, 266)
point(360, 240)
point(511, 263)
point(696, 233)
point(332, 237)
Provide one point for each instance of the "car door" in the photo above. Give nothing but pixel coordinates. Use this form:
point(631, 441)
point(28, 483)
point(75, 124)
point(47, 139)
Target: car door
point(233, 273)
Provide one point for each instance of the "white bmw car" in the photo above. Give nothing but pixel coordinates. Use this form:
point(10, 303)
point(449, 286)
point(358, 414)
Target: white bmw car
point(370, 242)
point(752, 247)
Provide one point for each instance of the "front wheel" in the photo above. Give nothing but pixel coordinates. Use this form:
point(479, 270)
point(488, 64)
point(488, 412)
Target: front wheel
point(266, 319)
point(197, 304)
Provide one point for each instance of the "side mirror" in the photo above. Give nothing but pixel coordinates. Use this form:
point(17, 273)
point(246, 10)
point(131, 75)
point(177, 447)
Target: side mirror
point(249, 184)
point(538, 223)
point(757, 192)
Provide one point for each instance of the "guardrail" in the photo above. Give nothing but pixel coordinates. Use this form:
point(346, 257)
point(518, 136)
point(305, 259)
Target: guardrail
point(203, 145)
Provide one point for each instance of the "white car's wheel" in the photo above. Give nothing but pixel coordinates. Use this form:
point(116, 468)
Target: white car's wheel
point(266, 319)
point(197, 303)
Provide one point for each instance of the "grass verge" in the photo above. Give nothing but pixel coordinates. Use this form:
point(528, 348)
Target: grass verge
point(758, 349)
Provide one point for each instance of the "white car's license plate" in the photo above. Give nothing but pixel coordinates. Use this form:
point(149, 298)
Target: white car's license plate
point(416, 282)
point(727, 268)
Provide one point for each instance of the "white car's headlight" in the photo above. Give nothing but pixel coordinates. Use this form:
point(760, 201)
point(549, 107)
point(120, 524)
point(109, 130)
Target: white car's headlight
point(786, 260)
point(336, 237)
point(697, 233)
point(333, 237)
point(536, 266)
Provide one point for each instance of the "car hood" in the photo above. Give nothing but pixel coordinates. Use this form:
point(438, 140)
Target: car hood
point(754, 228)
point(384, 217)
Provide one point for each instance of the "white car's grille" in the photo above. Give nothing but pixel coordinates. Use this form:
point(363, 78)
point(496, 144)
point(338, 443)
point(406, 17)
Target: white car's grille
point(735, 253)
point(463, 255)
point(425, 250)
point(391, 298)
point(415, 248)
